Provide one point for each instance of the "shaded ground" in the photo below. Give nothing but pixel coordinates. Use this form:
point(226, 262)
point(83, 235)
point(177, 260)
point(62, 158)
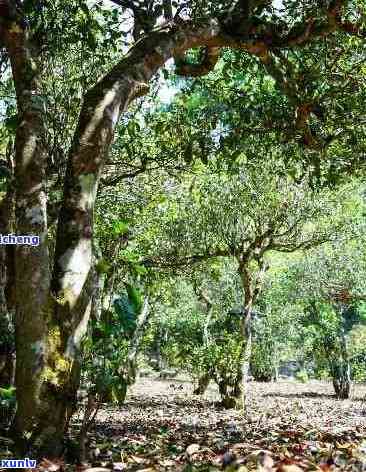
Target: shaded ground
point(288, 427)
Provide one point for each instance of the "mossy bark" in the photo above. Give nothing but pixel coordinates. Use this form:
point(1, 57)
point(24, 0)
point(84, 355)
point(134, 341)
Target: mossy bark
point(31, 262)
point(52, 313)
point(7, 344)
point(45, 375)
point(46, 405)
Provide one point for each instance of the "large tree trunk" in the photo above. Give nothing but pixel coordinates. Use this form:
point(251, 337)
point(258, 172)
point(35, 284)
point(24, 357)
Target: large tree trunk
point(32, 277)
point(7, 274)
point(52, 315)
point(47, 368)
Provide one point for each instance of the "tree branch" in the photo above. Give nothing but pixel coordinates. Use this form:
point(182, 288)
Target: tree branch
point(208, 62)
point(110, 182)
point(288, 248)
point(171, 261)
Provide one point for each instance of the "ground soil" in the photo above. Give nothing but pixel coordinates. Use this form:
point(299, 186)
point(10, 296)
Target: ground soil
point(287, 426)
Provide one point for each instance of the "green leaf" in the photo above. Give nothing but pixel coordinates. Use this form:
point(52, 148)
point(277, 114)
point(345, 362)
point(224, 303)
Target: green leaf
point(7, 393)
point(135, 298)
point(120, 227)
point(11, 123)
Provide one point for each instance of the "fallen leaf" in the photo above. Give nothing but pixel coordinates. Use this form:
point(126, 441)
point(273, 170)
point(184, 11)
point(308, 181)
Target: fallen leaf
point(192, 449)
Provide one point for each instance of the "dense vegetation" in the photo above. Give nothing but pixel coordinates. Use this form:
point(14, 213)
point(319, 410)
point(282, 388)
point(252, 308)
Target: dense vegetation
point(205, 217)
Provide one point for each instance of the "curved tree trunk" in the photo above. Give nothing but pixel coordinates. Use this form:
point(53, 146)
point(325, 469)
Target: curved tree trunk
point(52, 313)
point(251, 286)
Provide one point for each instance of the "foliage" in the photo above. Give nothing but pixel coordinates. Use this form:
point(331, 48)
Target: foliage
point(107, 348)
point(264, 361)
point(302, 376)
point(357, 351)
point(7, 405)
point(127, 307)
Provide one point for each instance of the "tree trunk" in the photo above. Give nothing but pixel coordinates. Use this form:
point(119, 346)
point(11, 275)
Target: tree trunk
point(341, 370)
point(230, 391)
point(251, 287)
point(130, 370)
point(47, 367)
point(7, 274)
point(246, 330)
point(52, 316)
point(204, 380)
point(203, 383)
point(342, 381)
point(32, 275)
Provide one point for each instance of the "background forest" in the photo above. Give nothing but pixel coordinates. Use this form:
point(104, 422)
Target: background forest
point(195, 172)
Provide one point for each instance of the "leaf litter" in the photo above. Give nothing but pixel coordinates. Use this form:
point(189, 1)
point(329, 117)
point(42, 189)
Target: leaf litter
point(287, 427)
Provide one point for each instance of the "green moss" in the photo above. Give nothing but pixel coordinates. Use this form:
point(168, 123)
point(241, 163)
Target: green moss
point(63, 365)
point(50, 376)
point(59, 367)
point(103, 266)
point(64, 297)
point(15, 28)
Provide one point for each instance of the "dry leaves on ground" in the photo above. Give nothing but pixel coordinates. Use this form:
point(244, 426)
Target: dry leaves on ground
point(288, 427)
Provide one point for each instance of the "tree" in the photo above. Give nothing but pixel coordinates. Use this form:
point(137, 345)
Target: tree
point(53, 286)
point(245, 216)
point(332, 290)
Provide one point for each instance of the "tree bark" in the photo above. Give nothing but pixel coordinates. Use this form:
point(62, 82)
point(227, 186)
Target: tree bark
point(52, 315)
point(47, 367)
point(204, 380)
point(32, 275)
point(251, 288)
point(341, 379)
point(246, 330)
point(7, 274)
point(341, 370)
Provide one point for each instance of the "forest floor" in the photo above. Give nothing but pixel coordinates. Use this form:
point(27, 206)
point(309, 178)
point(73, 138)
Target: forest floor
point(288, 427)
